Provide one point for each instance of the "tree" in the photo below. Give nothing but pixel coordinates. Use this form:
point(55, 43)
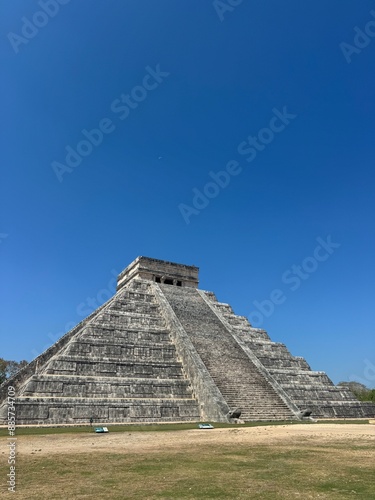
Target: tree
point(3, 370)
point(10, 368)
point(15, 366)
point(371, 395)
point(360, 391)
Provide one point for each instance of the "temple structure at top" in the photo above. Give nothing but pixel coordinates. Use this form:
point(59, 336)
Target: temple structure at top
point(159, 271)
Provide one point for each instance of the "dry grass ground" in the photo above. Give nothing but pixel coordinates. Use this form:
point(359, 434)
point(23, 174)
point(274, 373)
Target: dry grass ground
point(325, 461)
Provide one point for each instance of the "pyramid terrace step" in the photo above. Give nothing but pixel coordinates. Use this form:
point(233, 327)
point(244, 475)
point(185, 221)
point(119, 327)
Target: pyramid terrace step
point(137, 296)
point(80, 410)
point(222, 305)
point(326, 388)
point(144, 296)
point(275, 363)
point(297, 375)
point(265, 342)
point(72, 399)
point(98, 341)
point(127, 320)
point(305, 403)
point(134, 308)
point(231, 316)
point(131, 338)
point(67, 358)
point(106, 325)
point(116, 380)
point(116, 387)
point(124, 351)
point(274, 352)
point(74, 365)
point(321, 398)
point(137, 284)
point(248, 334)
point(131, 315)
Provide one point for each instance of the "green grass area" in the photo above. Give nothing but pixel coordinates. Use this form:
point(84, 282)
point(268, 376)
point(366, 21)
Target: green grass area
point(215, 471)
point(29, 431)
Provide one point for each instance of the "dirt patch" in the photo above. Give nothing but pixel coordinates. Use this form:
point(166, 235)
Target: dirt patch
point(140, 442)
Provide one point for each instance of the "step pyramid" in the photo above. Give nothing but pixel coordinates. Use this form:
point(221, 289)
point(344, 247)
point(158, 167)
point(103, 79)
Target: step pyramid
point(161, 350)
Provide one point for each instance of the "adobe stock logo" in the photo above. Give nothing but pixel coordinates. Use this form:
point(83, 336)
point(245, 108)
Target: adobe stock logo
point(368, 376)
point(121, 108)
point(84, 309)
point(40, 19)
point(362, 39)
point(3, 236)
point(223, 6)
point(293, 277)
point(249, 148)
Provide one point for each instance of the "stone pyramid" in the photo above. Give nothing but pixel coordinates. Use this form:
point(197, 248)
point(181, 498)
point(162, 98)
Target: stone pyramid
point(162, 350)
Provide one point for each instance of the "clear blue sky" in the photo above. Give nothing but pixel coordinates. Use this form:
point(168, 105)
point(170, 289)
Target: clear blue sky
point(217, 83)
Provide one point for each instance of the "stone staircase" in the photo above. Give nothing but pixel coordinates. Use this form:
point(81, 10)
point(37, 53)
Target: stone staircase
point(306, 388)
point(237, 378)
point(120, 367)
